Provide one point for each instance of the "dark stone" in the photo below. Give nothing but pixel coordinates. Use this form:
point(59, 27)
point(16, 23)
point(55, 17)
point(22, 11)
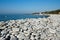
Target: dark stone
point(22, 39)
point(34, 35)
point(34, 39)
point(31, 33)
point(0, 32)
point(39, 38)
point(16, 37)
point(8, 38)
point(22, 30)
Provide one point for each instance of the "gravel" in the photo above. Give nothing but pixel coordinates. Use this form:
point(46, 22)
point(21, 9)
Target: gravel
point(31, 29)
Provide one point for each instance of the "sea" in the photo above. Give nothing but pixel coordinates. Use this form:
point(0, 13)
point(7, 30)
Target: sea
point(6, 17)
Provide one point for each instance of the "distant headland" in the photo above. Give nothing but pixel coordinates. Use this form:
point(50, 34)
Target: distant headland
point(48, 12)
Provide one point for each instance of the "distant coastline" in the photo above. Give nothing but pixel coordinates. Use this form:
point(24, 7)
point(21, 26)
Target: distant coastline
point(55, 12)
point(36, 13)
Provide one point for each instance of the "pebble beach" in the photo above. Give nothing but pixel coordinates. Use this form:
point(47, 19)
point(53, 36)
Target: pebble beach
point(31, 29)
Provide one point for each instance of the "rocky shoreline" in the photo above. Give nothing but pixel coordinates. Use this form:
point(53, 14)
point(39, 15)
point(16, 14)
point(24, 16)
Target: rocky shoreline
point(31, 29)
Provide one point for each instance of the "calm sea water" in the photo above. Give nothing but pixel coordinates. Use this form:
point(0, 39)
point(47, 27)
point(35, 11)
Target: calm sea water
point(5, 17)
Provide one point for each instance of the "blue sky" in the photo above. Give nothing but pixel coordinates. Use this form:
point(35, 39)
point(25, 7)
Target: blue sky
point(28, 6)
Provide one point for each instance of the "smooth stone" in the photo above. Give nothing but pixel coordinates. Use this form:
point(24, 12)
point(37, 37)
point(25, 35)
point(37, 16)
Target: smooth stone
point(52, 31)
point(1, 38)
point(2, 27)
point(15, 29)
point(32, 38)
point(26, 33)
point(13, 38)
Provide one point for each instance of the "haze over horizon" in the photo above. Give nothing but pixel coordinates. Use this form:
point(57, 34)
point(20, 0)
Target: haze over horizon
point(28, 6)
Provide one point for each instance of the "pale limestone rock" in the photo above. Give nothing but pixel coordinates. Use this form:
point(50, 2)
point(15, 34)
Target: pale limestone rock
point(55, 24)
point(52, 31)
point(58, 34)
point(21, 36)
point(15, 29)
point(32, 38)
point(13, 37)
point(26, 33)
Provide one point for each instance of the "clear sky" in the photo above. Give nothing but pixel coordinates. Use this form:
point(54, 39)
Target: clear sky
point(28, 6)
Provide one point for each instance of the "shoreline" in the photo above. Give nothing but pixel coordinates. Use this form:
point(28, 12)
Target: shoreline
point(30, 29)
